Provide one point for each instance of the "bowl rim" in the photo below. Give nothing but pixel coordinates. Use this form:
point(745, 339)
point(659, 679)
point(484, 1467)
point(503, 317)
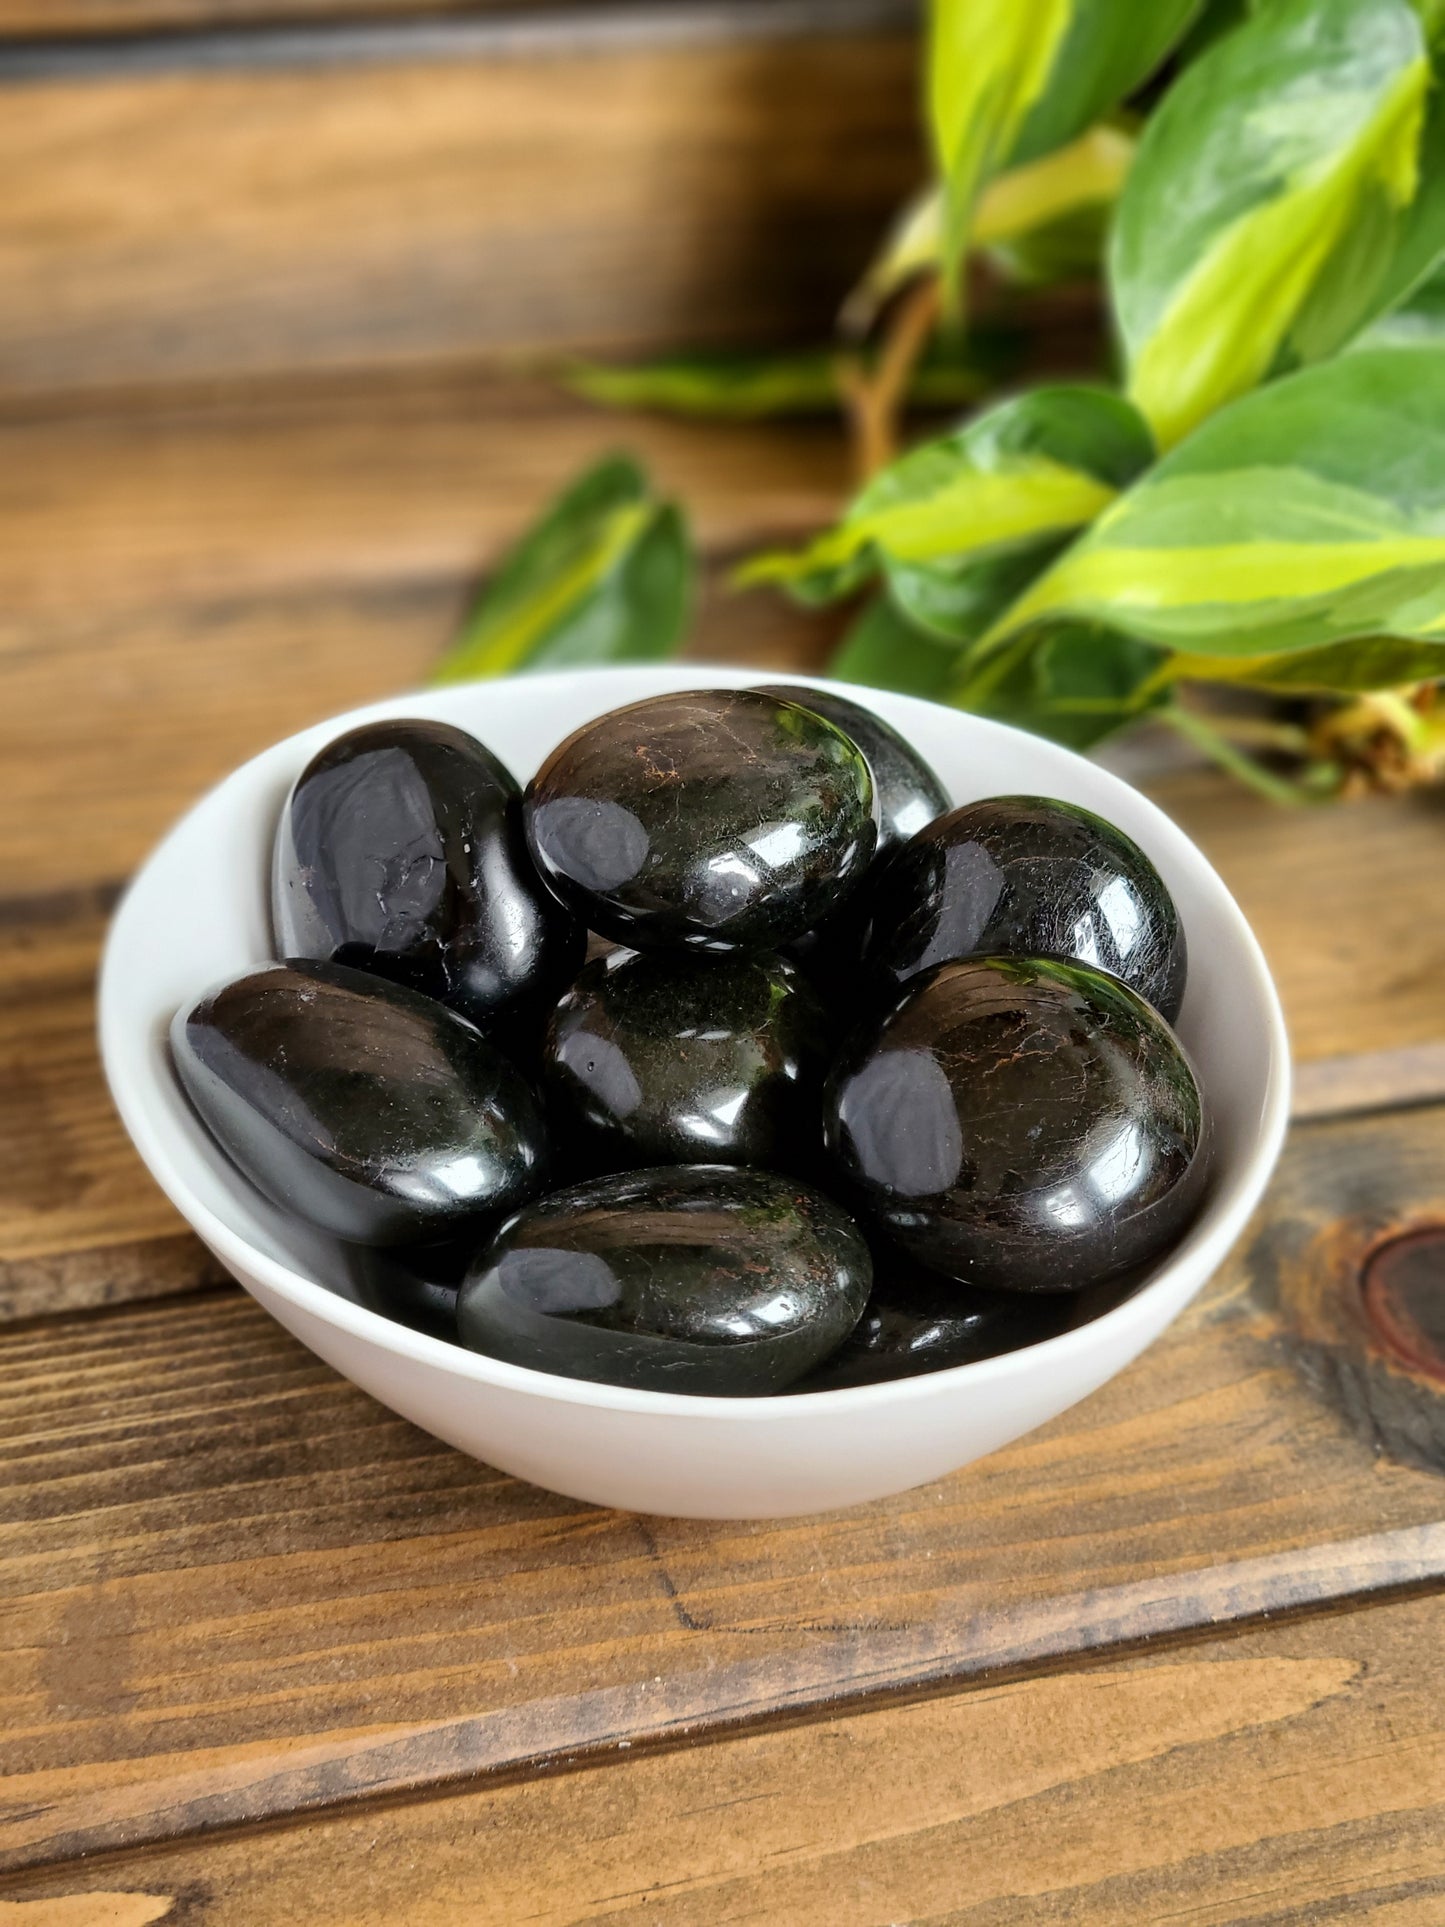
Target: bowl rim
point(1201, 1250)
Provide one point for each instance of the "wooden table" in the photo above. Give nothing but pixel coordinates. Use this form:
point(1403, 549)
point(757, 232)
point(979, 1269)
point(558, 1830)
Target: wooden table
point(272, 1656)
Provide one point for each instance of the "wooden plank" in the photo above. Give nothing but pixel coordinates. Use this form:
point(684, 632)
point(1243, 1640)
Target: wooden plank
point(52, 19)
point(1357, 945)
point(1286, 1778)
point(721, 176)
point(179, 589)
point(235, 1586)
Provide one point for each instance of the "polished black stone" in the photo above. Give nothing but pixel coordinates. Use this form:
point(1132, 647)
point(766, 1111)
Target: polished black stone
point(361, 1106)
point(1022, 1124)
point(916, 1321)
point(910, 794)
point(678, 1058)
point(415, 1285)
point(716, 819)
point(401, 851)
point(683, 1278)
point(1026, 876)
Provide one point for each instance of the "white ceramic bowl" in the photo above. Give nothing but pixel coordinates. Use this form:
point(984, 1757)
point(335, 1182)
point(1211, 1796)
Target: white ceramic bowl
point(198, 910)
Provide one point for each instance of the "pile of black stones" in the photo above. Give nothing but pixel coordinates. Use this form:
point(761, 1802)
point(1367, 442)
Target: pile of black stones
point(727, 1058)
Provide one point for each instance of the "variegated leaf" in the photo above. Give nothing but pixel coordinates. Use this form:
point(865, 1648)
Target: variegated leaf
point(1307, 516)
point(605, 576)
point(1022, 474)
point(1265, 204)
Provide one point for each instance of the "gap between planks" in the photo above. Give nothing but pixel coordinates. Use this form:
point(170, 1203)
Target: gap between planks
point(507, 34)
point(844, 1673)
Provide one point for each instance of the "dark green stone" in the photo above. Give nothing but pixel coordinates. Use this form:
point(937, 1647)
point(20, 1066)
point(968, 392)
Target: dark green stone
point(718, 820)
point(684, 1278)
point(1022, 1124)
point(1026, 876)
point(362, 1107)
point(910, 793)
point(916, 1321)
point(681, 1059)
point(401, 851)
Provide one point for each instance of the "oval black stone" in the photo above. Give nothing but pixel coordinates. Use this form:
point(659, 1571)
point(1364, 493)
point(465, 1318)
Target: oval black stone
point(702, 1279)
point(1021, 1123)
point(401, 850)
point(358, 1105)
point(716, 819)
point(915, 1322)
point(910, 793)
point(685, 1059)
point(1026, 876)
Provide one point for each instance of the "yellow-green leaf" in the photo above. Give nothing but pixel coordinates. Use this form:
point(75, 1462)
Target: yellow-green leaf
point(989, 63)
point(1063, 191)
point(1265, 202)
point(1020, 474)
point(1308, 515)
point(605, 576)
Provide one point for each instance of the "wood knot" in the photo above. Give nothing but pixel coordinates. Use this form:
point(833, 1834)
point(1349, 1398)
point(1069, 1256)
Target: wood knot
point(1403, 1283)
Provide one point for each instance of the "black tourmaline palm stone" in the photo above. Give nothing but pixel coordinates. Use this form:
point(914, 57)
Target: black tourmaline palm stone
point(685, 1278)
point(360, 1106)
point(716, 819)
point(687, 1059)
point(401, 851)
point(910, 794)
point(1020, 1123)
point(1025, 876)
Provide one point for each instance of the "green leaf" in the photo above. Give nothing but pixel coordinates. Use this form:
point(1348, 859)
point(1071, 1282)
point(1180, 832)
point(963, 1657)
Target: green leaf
point(1421, 246)
point(886, 651)
point(959, 601)
point(1077, 686)
point(1340, 668)
point(989, 63)
point(1308, 514)
point(1109, 48)
point(1042, 208)
point(1022, 473)
point(1419, 321)
point(1263, 207)
point(741, 387)
point(1008, 82)
point(605, 576)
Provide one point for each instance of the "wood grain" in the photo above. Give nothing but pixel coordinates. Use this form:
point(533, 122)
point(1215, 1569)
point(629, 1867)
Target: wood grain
point(179, 589)
point(235, 1587)
point(1290, 1777)
point(315, 214)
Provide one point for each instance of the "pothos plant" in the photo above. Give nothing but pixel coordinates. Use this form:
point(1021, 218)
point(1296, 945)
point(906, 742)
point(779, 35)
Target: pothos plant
point(1254, 501)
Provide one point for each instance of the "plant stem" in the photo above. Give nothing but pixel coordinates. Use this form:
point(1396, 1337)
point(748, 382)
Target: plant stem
point(1219, 749)
point(874, 398)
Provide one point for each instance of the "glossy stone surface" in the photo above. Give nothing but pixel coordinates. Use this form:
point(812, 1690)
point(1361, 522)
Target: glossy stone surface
point(910, 793)
point(916, 1321)
point(679, 1058)
point(1021, 1124)
point(715, 819)
point(358, 1105)
point(1028, 876)
point(416, 1285)
point(702, 1279)
point(401, 851)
